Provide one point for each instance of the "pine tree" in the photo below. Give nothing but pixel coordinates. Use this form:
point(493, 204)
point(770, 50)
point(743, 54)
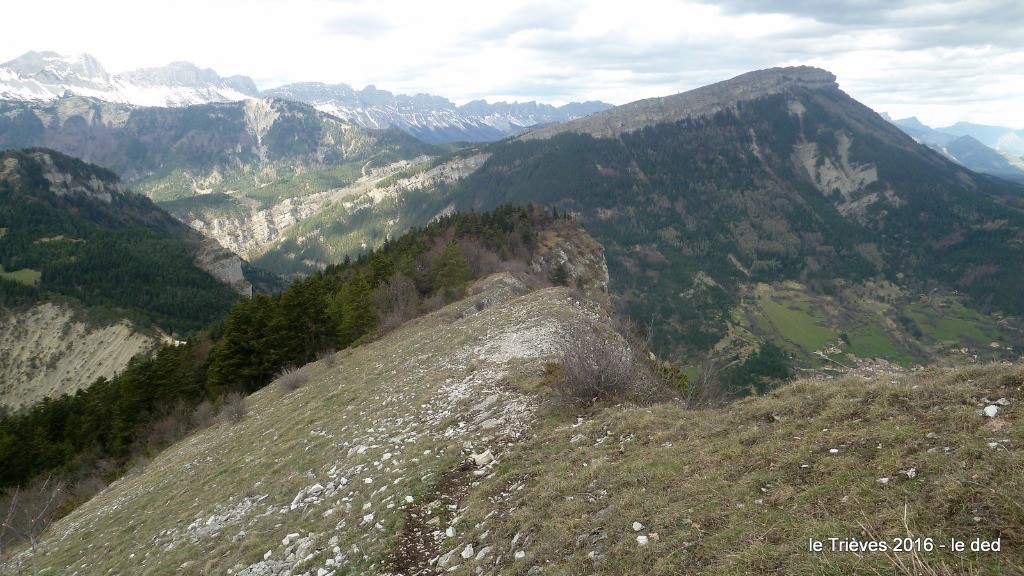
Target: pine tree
point(450, 273)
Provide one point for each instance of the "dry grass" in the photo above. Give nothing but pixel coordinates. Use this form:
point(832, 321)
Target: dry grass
point(390, 418)
point(740, 489)
point(735, 490)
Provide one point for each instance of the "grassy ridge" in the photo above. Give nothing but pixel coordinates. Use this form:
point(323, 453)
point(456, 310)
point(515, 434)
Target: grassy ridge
point(740, 490)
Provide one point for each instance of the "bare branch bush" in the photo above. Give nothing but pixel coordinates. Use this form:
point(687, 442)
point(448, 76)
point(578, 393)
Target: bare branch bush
point(233, 407)
point(482, 260)
point(29, 510)
point(202, 415)
point(708, 391)
point(169, 428)
point(395, 301)
point(290, 379)
point(327, 358)
point(600, 364)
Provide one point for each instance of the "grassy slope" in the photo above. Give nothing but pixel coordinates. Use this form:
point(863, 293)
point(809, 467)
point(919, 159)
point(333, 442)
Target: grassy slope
point(26, 276)
point(740, 490)
point(734, 490)
point(441, 383)
point(802, 322)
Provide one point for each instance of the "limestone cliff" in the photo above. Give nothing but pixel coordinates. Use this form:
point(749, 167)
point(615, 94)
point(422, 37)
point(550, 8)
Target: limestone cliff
point(223, 264)
point(704, 101)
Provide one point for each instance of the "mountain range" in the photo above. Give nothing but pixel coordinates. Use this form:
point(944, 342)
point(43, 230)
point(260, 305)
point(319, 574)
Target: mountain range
point(700, 199)
point(704, 199)
point(995, 150)
point(447, 385)
point(47, 76)
point(240, 172)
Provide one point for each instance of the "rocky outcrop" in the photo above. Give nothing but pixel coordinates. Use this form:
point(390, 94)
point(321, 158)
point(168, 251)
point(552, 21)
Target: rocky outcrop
point(578, 258)
point(224, 265)
point(61, 182)
point(705, 101)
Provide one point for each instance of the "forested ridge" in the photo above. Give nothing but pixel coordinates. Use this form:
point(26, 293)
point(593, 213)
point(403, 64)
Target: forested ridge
point(690, 210)
point(109, 248)
point(101, 429)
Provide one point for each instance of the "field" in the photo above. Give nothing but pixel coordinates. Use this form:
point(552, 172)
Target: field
point(794, 316)
point(26, 276)
point(876, 321)
point(870, 339)
point(949, 322)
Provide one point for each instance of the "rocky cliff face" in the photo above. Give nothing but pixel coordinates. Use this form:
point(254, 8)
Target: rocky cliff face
point(705, 101)
point(61, 182)
point(223, 264)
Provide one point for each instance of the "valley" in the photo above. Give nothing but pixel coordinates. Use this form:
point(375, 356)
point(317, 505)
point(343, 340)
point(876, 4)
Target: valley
point(869, 329)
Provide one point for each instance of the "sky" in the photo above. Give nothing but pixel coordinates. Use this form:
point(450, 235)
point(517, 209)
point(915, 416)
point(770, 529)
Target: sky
point(940, 60)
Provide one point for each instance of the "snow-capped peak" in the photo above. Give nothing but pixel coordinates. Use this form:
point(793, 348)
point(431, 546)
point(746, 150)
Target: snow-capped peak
point(48, 76)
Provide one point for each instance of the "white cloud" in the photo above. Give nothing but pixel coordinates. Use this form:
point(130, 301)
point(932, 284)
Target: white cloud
point(940, 60)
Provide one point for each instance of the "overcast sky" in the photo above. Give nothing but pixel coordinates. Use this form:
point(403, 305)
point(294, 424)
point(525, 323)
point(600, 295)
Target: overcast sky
point(940, 60)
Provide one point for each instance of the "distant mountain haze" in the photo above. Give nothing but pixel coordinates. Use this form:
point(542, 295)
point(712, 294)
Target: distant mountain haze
point(995, 150)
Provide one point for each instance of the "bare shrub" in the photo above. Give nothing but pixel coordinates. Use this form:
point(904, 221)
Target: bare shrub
point(513, 267)
point(290, 379)
point(433, 303)
point(599, 364)
point(202, 415)
point(138, 466)
point(482, 260)
point(708, 391)
point(171, 427)
point(166, 431)
point(85, 488)
point(233, 407)
point(28, 510)
point(395, 302)
point(327, 358)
